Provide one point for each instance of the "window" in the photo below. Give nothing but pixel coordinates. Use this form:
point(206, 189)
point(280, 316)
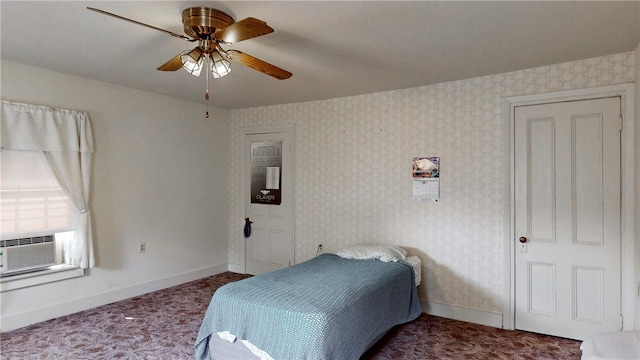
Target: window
point(50, 194)
point(32, 202)
point(34, 206)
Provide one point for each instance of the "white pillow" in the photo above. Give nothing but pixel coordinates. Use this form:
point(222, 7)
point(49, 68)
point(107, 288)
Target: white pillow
point(384, 253)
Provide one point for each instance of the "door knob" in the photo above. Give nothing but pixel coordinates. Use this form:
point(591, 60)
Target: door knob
point(522, 239)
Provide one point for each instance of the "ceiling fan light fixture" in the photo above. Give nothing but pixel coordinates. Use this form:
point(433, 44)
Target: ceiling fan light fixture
point(219, 65)
point(193, 61)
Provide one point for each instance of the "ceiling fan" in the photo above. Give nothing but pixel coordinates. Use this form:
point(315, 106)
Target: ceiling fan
point(211, 28)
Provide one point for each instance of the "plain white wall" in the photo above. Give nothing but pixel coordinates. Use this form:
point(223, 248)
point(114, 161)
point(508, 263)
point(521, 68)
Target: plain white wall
point(159, 176)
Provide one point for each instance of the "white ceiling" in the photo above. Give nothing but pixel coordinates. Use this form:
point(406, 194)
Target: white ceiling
point(333, 48)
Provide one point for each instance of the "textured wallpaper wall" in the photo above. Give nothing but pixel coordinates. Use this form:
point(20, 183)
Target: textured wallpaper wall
point(353, 172)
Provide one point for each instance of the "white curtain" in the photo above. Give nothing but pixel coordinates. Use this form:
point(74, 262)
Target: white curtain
point(66, 140)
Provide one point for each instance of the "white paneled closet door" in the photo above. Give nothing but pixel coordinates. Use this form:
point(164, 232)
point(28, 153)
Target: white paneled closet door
point(568, 218)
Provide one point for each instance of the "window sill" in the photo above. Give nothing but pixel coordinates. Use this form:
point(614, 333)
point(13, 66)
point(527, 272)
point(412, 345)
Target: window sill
point(48, 275)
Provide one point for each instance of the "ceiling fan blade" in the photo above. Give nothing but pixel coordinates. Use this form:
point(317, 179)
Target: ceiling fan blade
point(140, 23)
point(257, 64)
point(173, 64)
point(243, 30)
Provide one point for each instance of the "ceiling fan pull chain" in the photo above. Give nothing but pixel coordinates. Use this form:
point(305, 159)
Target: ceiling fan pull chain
point(206, 94)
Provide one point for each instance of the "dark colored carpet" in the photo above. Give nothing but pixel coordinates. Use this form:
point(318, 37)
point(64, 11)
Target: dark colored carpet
point(164, 325)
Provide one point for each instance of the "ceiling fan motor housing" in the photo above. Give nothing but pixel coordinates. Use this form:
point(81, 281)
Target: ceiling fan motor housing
point(202, 22)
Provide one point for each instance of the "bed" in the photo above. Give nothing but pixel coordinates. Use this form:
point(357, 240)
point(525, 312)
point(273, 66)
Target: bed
point(334, 306)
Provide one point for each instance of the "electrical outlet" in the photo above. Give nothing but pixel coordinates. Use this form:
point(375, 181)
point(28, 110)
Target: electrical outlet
point(142, 247)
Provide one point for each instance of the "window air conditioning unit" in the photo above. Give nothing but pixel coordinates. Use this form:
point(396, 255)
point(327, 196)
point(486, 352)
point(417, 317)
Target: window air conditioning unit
point(24, 254)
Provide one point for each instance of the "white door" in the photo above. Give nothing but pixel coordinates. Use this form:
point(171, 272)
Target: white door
point(567, 218)
point(271, 244)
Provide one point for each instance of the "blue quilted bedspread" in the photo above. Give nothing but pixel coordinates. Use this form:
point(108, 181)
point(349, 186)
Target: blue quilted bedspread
point(325, 308)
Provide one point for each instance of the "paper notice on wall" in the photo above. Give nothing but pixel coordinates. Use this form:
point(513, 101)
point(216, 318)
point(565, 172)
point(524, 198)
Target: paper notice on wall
point(426, 190)
point(273, 178)
point(426, 178)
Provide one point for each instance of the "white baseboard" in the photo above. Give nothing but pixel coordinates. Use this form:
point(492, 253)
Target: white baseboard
point(463, 314)
point(15, 321)
point(236, 268)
